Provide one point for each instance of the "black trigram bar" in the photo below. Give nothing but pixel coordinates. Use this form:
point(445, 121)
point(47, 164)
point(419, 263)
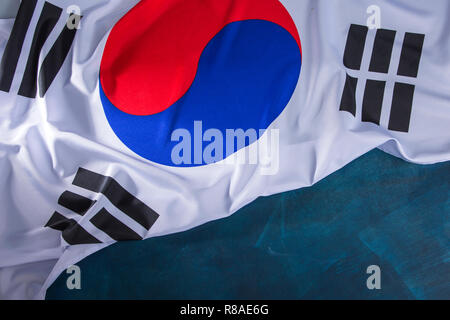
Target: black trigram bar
point(47, 21)
point(72, 232)
point(56, 57)
point(354, 49)
point(15, 43)
point(401, 107)
point(348, 101)
point(75, 202)
point(411, 54)
point(113, 227)
point(382, 51)
point(373, 101)
point(117, 195)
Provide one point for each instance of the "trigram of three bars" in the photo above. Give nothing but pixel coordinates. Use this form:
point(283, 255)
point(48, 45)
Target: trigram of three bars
point(401, 108)
point(55, 58)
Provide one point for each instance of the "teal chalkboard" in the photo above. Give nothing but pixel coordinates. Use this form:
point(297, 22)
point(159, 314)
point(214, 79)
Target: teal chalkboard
point(311, 243)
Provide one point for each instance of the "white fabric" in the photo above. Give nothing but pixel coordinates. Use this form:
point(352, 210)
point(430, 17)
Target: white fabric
point(8, 8)
point(44, 141)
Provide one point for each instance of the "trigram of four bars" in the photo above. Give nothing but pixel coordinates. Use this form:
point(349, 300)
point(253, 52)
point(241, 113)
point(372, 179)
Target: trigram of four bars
point(115, 226)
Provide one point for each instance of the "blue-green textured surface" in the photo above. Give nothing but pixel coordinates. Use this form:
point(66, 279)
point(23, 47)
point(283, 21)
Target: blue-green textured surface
point(312, 243)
